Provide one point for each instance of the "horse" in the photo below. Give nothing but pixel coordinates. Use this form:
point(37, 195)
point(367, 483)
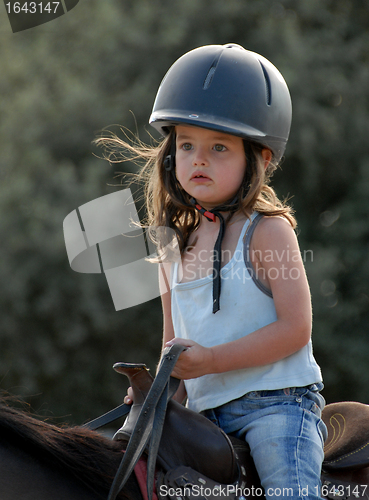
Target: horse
point(39, 460)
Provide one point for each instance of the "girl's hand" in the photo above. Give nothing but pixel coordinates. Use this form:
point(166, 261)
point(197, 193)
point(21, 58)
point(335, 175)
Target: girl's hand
point(128, 400)
point(194, 362)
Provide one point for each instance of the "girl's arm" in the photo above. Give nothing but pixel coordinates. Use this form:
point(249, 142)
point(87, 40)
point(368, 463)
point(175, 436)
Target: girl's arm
point(275, 244)
point(168, 330)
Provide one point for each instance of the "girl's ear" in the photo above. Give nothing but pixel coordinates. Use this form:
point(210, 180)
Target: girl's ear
point(267, 157)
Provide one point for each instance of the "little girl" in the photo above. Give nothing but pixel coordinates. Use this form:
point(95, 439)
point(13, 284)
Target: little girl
point(240, 300)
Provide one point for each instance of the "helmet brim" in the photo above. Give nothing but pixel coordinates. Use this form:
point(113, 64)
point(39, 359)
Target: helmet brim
point(163, 123)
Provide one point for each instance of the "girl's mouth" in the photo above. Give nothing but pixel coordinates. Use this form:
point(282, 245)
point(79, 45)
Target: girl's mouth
point(199, 177)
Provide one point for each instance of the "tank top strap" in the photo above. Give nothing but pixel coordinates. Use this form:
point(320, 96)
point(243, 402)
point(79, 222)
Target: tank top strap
point(249, 230)
point(246, 228)
point(246, 254)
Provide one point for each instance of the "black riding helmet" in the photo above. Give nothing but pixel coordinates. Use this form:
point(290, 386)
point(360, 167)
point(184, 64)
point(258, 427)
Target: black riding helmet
point(226, 88)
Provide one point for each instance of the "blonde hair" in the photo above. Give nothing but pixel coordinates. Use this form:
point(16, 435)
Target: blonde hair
point(168, 205)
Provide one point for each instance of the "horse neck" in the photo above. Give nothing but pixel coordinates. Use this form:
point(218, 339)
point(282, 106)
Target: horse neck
point(74, 458)
point(25, 476)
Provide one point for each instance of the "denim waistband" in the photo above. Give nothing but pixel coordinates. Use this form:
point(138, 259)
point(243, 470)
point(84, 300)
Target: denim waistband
point(288, 391)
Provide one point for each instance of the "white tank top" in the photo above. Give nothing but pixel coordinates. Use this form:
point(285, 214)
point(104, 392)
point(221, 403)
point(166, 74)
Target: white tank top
point(245, 306)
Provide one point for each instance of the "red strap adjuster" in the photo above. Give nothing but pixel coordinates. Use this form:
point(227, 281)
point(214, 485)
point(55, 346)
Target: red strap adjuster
point(210, 216)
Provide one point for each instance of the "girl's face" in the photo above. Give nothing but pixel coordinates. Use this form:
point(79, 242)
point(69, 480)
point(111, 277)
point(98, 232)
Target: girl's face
point(210, 165)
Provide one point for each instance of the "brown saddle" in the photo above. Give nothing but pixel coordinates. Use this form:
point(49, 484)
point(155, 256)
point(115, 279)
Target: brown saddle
point(189, 439)
point(347, 444)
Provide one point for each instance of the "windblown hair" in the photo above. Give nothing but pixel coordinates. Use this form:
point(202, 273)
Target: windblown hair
point(168, 205)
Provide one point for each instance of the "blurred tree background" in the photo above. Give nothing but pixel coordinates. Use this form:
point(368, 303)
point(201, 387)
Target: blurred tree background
point(101, 64)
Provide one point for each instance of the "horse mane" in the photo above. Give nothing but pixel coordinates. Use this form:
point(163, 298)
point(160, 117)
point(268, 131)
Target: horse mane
point(88, 456)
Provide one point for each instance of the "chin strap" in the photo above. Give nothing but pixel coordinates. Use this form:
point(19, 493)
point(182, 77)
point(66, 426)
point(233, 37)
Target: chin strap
point(211, 216)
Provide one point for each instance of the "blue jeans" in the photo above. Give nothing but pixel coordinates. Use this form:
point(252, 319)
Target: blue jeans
point(286, 436)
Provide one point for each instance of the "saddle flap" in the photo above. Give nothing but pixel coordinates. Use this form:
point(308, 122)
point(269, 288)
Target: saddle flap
point(347, 444)
point(191, 439)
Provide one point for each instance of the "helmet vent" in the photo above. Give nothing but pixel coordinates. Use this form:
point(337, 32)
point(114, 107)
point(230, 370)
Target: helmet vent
point(209, 78)
point(211, 72)
point(268, 87)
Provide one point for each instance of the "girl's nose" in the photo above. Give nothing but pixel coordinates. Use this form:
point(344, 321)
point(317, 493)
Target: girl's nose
point(199, 158)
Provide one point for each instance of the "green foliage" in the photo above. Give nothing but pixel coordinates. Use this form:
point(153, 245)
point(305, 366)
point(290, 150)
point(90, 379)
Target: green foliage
point(101, 64)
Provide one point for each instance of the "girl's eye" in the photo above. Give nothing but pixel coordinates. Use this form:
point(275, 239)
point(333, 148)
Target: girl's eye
point(187, 146)
point(219, 148)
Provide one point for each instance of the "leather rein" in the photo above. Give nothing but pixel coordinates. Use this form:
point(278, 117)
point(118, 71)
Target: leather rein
point(150, 423)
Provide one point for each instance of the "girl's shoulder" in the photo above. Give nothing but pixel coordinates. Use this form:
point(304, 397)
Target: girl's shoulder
point(273, 231)
point(274, 223)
